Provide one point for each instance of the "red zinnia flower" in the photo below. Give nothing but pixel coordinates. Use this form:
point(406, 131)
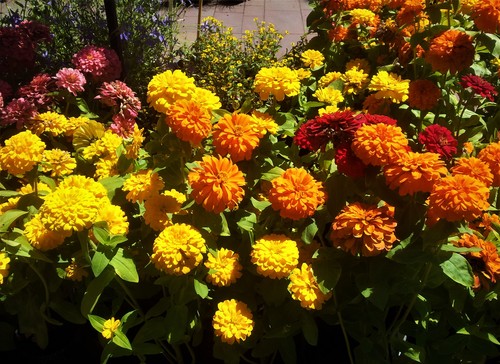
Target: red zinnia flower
point(438, 139)
point(37, 90)
point(347, 162)
point(479, 86)
point(18, 111)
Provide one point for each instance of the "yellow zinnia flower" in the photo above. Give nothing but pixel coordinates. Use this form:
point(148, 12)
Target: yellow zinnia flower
point(58, 162)
point(232, 321)
point(159, 206)
point(42, 238)
point(329, 95)
point(277, 81)
point(21, 152)
point(75, 272)
point(50, 122)
point(275, 255)
point(224, 267)
point(4, 266)
point(304, 288)
point(142, 185)
point(312, 58)
point(390, 86)
point(167, 87)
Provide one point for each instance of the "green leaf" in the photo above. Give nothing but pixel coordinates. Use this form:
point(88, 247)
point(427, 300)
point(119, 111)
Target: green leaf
point(176, 323)
point(100, 234)
point(458, 269)
point(309, 329)
point(327, 274)
point(124, 266)
point(97, 322)
point(309, 232)
point(94, 291)
point(22, 248)
point(67, 311)
point(7, 193)
point(99, 262)
point(8, 218)
point(121, 340)
point(259, 205)
point(112, 184)
point(248, 222)
point(152, 329)
point(201, 288)
point(272, 174)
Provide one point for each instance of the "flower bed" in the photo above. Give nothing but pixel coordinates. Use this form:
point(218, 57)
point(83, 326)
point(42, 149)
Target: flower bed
point(347, 191)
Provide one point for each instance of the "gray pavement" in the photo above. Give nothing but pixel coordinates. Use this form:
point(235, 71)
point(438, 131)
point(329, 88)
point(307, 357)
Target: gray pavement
point(287, 16)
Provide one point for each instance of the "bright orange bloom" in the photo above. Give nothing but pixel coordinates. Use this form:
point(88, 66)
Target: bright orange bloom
point(379, 144)
point(189, 120)
point(451, 51)
point(491, 156)
point(217, 184)
point(456, 198)
point(486, 15)
point(423, 94)
point(473, 167)
point(415, 172)
point(364, 229)
point(236, 134)
point(296, 194)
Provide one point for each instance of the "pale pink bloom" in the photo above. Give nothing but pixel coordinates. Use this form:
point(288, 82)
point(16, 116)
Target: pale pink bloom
point(71, 80)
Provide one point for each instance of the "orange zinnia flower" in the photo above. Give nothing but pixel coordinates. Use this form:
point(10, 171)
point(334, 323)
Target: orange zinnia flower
point(423, 94)
point(456, 198)
point(217, 184)
point(415, 172)
point(296, 194)
point(451, 51)
point(491, 156)
point(379, 144)
point(486, 224)
point(473, 167)
point(486, 15)
point(236, 134)
point(189, 120)
point(365, 229)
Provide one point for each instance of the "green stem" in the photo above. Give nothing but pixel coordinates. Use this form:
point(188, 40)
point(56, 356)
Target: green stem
point(344, 332)
point(44, 283)
point(128, 294)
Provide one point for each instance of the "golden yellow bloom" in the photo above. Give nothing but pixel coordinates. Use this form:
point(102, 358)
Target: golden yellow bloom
point(178, 249)
point(134, 142)
point(158, 208)
point(21, 153)
point(415, 172)
point(379, 144)
point(110, 327)
point(360, 63)
point(277, 81)
point(329, 95)
point(305, 289)
point(303, 73)
point(206, 99)
point(69, 209)
point(4, 266)
point(86, 183)
point(236, 134)
point(329, 109)
point(114, 217)
point(275, 255)
point(189, 120)
point(42, 238)
point(58, 162)
point(50, 122)
point(217, 184)
point(104, 146)
point(142, 184)
point(491, 156)
point(74, 123)
point(363, 16)
point(456, 198)
point(364, 229)
point(473, 167)
point(75, 272)
point(264, 123)
point(167, 87)
point(355, 80)
point(224, 267)
point(312, 58)
point(296, 194)
point(232, 321)
point(390, 86)
point(327, 79)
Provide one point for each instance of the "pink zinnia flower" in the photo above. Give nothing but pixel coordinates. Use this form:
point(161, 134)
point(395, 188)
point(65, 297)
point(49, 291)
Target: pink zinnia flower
point(347, 162)
point(479, 86)
point(37, 91)
point(37, 32)
point(71, 80)
point(438, 139)
point(120, 97)
point(18, 111)
point(102, 63)
point(122, 125)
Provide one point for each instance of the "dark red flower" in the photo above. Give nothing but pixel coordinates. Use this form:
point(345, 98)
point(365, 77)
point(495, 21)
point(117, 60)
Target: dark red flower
point(347, 162)
point(37, 32)
point(18, 111)
point(480, 86)
point(438, 139)
point(362, 119)
point(5, 90)
point(17, 51)
point(37, 90)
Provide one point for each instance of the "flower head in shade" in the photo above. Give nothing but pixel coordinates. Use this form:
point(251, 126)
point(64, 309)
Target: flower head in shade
point(114, 217)
point(389, 86)
point(328, 78)
point(122, 125)
point(305, 289)
point(355, 80)
point(178, 249)
point(486, 15)
point(347, 162)
point(50, 122)
point(473, 167)
point(110, 327)
point(4, 266)
point(296, 194)
point(486, 224)
point(264, 123)
point(438, 139)
point(21, 153)
point(451, 51)
point(189, 120)
point(236, 134)
point(312, 58)
point(159, 207)
point(365, 17)
point(372, 105)
point(142, 185)
point(491, 156)
point(75, 271)
point(415, 172)
point(232, 322)
point(379, 144)
point(423, 94)
point(58, 162)
point(275, 255)
point(217, 184)
point(37, 91)
point(21, 50)
point(457, 198)
point(167, 87)
point(479, 86)
point(277, 81)
point(71, 79)
point(485, 263)
point(19, 112)
point(224, 267)
point(364, 229)
point(41, 237)
point(101, 63)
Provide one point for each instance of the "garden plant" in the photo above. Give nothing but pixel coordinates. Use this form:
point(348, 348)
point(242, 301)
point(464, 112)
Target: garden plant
point(340, 202)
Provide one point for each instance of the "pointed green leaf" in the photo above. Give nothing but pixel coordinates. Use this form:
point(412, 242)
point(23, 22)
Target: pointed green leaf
point(97, 322)
point(99, 262)
point(458, 269)
point(95, 289)
point(121, 340)
point(8, 218)
point(201, 288)
point(309, 329)
point(124, 266)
